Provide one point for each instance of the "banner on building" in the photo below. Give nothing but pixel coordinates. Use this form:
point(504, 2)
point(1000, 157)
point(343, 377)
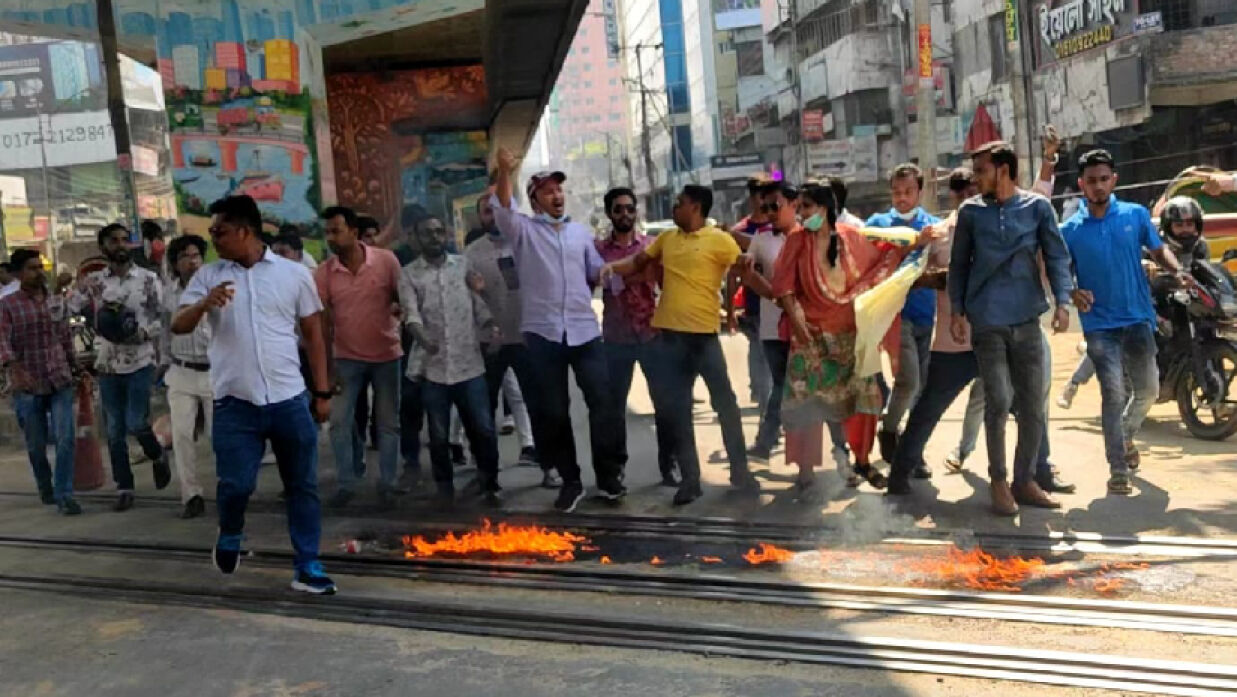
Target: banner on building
point(1011, 21)
point(830, 158)
point(56, 140)
point(734, 14)
point(730, 172)
point(813, 125)
point(612, 32)
point(1065, 28)
point(26, 83)
point(925, 53)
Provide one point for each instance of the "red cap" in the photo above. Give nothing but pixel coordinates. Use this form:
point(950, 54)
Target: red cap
point(537, 180)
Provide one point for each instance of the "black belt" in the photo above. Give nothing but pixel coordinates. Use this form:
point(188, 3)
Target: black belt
point(189, 365)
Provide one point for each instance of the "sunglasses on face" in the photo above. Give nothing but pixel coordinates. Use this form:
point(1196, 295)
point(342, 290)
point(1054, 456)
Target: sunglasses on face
point(623, 208)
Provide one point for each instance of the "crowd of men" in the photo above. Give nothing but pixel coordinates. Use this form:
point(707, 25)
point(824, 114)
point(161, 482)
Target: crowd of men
point(265, 344)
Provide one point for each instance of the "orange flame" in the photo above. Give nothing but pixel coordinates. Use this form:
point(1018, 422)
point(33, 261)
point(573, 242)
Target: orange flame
point(1108, 585)
point(605, 560)
point(504, 540)
point(656, 561)
point(981, 571)
point(711, 560)
point(768, 553)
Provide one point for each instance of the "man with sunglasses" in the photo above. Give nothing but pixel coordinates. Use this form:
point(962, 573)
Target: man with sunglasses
point(626, 325)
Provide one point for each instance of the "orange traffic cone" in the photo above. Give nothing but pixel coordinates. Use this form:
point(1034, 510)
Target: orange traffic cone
point(87, 457)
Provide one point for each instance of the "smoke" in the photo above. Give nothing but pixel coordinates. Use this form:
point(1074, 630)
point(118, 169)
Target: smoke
point(868, 520)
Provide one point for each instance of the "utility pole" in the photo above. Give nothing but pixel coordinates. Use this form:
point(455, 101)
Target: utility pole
point(1018, 91)
point(925, 103)
point(117, 111)
point(645, 146)
point(797, 85)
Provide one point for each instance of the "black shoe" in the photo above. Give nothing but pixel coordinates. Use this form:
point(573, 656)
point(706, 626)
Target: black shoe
point(341, 499)
point(759, 455)
point(1053, 484)
point(686, 494)
point(444, 499)
point(491, 499)
point(47, 496)
point(1119, 484)
point(68, 506)
point(612, 493)
point(226, 553)
point(386, 499)
point(528, 457)
point(123, 502)
point(922, 471)
point(313, 579)
point(194, 507)
point(550, 480)
point(898, 486)
point(747, 486)
point(569, 496)
point(670, 479)
point(888, 442)
point(457, 455)
point(162, 471)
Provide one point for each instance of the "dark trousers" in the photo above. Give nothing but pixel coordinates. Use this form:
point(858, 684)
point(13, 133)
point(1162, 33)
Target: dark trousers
point(471, 400)
point(411, 418)
point(777, 353)
point(1011, 363)
point(550, 408)
point(515, 357)
point(126, 405)
point(948, 374)
point(240, 433)
point(683, 357)
point(621, 362)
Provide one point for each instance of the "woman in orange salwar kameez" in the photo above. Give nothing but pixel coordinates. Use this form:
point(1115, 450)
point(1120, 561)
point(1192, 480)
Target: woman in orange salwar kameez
point(818, 275)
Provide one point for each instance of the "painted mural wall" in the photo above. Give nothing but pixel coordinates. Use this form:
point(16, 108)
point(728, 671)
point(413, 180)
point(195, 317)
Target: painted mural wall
point(408, 137)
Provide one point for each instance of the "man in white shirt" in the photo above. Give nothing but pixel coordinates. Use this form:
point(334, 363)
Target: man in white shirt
point(255, 302)
point(188, 374)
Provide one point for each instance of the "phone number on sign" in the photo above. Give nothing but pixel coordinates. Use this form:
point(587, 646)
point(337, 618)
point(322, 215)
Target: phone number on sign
point(56, 136)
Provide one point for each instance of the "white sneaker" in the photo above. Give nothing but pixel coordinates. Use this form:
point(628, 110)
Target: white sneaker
point(1066, 400)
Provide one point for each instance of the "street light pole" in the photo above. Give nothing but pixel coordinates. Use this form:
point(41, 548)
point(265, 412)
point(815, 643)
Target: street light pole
point(117, 110)
point(925, 103)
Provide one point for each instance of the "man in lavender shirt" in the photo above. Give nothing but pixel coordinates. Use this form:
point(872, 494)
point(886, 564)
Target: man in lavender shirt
point(558, 266)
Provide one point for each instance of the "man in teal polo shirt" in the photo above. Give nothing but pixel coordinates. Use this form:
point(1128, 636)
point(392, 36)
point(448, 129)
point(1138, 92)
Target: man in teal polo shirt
point(918, 314)
point(1106, 239)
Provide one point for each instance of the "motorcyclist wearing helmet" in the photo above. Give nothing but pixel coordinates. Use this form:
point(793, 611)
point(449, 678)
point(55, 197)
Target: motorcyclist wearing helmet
point(1181, 228)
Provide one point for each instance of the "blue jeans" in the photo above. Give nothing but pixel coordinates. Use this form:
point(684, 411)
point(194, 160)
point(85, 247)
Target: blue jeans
point(471, 399)
point(777, 353)
point(549, 407)
point(126, 406)
point(621, 362)
point(682, 357)
point(760, 378)
point(1011, 364)
point(33, 412)
point(239, 436)
point(1118, 355)
point(349, 445)
point(1084, 372)
point(411, 418)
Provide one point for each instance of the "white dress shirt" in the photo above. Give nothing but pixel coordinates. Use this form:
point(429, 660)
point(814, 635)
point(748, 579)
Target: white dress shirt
point(253, 348)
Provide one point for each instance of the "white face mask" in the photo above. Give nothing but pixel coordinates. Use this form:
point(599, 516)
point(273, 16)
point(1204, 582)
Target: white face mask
point(907, 216)
point(547, 218)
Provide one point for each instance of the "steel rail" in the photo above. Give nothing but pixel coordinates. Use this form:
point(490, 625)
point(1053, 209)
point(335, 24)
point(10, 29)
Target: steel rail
point(1162, 677)
point(750, 532)
point(1107, 614)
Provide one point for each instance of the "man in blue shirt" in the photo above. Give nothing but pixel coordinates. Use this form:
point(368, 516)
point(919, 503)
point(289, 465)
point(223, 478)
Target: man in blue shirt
point(1106, 239)
point(905, 188)
point(994, 284)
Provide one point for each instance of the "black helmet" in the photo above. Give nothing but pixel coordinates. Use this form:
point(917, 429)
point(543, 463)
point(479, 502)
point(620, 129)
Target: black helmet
point(1179, 209)
point(116, 323)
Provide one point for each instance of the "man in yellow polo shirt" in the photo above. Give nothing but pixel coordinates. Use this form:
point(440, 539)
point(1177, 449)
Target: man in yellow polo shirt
point(696, 259)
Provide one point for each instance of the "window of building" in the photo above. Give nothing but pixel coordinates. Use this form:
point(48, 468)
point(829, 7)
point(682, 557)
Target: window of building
point(616, 117)
point(588, 84)
point(584, 49)
point(613, 81)
point(588, 67)
point(751, 58)
point(589, 101)
point(996, 43)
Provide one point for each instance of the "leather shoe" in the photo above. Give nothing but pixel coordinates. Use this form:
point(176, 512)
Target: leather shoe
point(1029, 494)
point(922, 471)
point(687, 493)
point(1053, 484)
point(898, 486)
point(194, 507)
point(123, 502)
point(1003, 503)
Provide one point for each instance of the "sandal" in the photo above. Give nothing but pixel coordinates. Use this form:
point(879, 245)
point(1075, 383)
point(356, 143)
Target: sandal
point(872, 475)
point(954, 464)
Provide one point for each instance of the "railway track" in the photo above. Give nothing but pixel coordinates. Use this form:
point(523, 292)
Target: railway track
point(743, 531)
point(1056, 668)
point(1108, 614)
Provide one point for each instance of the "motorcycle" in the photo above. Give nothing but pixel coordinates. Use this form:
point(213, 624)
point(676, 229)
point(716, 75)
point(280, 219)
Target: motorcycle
point(1197, 342)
